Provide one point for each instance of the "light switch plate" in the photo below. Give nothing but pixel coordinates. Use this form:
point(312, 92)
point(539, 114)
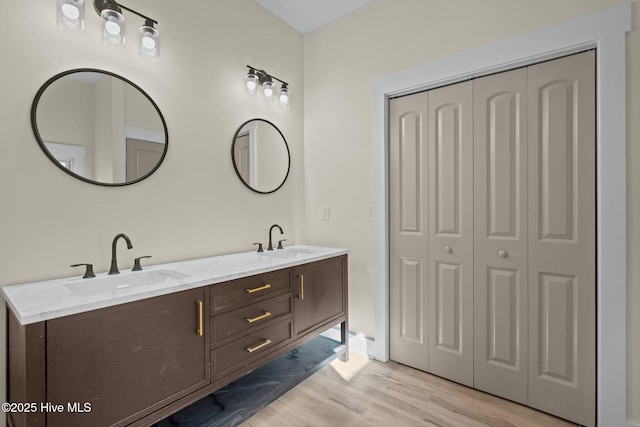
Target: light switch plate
point(368, 213)
point(326, 212)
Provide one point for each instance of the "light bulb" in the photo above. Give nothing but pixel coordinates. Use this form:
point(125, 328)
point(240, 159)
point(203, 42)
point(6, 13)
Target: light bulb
point(251, 82)
point(70, 15)
point(148, 42)
point(70, 11)
point(284, 96)
point(268, 90)
point(112, 27)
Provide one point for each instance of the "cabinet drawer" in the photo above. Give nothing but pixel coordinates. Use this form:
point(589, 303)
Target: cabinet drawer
point(238, 293)
point(235, 323)
point(236, 354)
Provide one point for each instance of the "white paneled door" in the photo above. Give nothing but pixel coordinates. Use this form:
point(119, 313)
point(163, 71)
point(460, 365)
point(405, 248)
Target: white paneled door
point(451, 232)
point(492, 231)
point(141, 157)
point(500, 239)
point(408, 222)
point(562, 239)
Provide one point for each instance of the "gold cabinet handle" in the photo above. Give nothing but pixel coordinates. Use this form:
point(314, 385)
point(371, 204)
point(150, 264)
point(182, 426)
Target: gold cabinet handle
point(261, 288)
point(200, 330)
point(262, 316)
point(301, 296)
point(259, 346)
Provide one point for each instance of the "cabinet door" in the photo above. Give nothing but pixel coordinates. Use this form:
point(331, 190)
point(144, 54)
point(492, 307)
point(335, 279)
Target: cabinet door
point(126, 360)
point(320, 294)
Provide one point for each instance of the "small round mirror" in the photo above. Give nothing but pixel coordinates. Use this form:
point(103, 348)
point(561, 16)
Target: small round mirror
point(99, 127)
point(260, 156)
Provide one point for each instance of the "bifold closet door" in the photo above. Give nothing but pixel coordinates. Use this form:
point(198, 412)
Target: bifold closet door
point(500, 235)
point(450, 111)
point(408, 293)
point(562, 240)
point(493, 234)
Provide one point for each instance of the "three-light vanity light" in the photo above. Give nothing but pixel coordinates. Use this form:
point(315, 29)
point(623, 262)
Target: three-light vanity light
point(256, 78)
point(70, 17)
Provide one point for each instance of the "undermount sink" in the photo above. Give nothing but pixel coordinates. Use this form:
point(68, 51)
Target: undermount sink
point(103, 285)
point(288, 253)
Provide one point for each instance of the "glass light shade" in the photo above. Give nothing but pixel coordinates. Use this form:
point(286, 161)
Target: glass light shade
point(149, 42)
point(112, 28)
point(268, 91)
point(284, 97)
point(70, 15)
point(251, 82)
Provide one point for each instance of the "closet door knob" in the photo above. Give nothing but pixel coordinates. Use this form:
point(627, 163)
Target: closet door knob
point(448, 249)
point(502, 253)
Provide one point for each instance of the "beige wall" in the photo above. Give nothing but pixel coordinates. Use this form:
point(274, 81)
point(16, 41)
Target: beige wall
point(340, 62)
point(194, 205)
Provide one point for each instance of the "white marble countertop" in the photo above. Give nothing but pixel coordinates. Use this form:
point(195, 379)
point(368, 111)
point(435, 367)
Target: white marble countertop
point(50, 299)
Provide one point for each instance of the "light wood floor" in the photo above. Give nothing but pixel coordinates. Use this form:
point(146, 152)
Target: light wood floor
point(367, 393)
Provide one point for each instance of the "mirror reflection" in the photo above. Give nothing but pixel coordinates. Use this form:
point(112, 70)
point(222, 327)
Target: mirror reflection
point(99, 127)
point(260, 156)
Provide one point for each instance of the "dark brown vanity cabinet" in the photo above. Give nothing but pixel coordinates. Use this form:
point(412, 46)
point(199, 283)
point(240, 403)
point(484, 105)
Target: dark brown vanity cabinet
point(251, 318)
point(320, 296)
point(126, 360)
point(137, 363)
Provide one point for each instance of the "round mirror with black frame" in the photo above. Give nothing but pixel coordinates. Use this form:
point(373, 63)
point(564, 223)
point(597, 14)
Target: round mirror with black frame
point(261, 156)
point(99, 127)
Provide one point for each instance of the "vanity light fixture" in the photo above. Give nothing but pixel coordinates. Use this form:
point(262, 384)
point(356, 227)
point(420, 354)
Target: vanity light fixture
point(70, 17)
point(256, 77)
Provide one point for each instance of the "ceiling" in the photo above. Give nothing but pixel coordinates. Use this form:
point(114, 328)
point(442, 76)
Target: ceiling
point(307, 15)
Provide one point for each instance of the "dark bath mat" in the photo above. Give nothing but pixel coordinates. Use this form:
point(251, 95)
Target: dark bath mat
point(238, 401)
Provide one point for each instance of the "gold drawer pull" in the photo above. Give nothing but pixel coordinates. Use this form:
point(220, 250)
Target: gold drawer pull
point(200, 330)
point(301, 296)
point(266, 314)
point(259, 346)
point(261, 288)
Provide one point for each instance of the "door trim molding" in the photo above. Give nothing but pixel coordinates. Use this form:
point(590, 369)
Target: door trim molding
point(604, 30)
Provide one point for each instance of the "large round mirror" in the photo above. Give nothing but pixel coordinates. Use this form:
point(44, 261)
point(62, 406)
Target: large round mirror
point(260, 156)
point(99, 127)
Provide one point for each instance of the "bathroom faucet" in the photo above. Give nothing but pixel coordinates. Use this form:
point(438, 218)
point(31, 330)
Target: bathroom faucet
point(114, 261)
point(270, 248)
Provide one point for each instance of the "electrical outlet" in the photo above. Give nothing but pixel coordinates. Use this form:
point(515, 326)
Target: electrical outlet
point(326, 212)
point(368, 213)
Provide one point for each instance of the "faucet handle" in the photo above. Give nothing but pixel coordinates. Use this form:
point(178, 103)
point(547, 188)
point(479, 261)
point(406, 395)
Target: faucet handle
point(136, 263)
point(88, 273)
point(259, 247)
point(280, 243)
